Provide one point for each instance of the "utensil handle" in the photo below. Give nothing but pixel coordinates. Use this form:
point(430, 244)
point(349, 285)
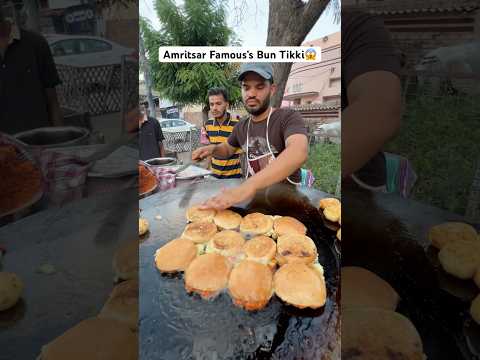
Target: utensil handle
point(143, 163)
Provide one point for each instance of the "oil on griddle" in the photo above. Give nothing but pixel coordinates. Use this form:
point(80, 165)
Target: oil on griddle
point(377, 240)
point(175, 325)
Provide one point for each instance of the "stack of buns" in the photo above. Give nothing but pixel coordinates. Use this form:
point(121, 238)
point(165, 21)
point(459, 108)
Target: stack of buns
point(252, 257)
point(459, 254)
point(143, 226)
point(11, 288)
point(331, 208)
point(371, 327)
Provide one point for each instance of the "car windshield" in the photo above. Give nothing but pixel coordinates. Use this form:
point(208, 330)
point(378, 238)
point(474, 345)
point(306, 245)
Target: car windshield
point(65, 47)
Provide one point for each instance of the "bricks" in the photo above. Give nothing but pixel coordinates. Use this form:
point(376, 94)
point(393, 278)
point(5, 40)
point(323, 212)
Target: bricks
point(444, 24)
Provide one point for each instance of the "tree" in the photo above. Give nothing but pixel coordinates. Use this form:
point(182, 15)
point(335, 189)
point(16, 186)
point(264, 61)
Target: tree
point(289, 22)
point(197, 23)
point(145, 67)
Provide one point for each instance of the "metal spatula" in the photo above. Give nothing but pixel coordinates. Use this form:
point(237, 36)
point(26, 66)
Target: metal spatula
point(184, 166)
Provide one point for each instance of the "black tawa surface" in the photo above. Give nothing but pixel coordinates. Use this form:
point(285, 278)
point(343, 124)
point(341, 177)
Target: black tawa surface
point(177, 326)
point(387, 234)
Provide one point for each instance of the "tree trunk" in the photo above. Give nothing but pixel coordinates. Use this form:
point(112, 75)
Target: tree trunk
point(32, 16)
point(148, 79)
point(289, 22)
point(204, 115)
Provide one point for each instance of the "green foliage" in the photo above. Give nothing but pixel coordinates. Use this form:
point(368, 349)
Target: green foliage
point(439, 136)
point(197, 23)
point(324, 161)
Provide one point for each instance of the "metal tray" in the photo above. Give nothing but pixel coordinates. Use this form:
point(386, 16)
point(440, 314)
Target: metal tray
point(151, 190)
point(165, 161)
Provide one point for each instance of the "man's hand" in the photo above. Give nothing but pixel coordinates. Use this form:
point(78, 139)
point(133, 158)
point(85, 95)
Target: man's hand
point(229, 197)
point(203, 152)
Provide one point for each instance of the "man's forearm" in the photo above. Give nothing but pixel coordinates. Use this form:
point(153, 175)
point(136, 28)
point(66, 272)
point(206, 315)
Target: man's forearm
point(162, 150)
point(54, 112)
point(221, 151)
point(365, 130)
point(278, 170)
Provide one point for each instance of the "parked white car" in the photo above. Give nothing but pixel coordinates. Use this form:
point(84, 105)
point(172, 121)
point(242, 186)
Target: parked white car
point(82, 51)
point(175, 125)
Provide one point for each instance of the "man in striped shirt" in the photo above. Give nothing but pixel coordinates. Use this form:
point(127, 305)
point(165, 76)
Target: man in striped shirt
point(218, 129)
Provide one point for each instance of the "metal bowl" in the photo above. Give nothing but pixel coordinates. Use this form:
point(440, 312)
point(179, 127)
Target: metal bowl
point(153, 188)
point(50, 137)
point(34, 203)
point(163, 161)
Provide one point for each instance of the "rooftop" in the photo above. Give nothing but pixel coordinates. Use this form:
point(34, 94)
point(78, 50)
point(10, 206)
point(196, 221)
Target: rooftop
point(394, 7)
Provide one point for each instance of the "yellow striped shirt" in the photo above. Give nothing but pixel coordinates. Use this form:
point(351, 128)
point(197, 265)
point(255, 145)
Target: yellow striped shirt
point(217, 134)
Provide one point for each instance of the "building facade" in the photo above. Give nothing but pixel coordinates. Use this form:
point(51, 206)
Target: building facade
point(418, 26)
point(316, 83)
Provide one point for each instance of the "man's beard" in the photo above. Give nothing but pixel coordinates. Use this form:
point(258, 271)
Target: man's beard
point(221, 116)
point(261, 108)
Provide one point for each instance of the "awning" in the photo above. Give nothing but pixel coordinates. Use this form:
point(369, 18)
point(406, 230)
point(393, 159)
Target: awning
point(300, 95)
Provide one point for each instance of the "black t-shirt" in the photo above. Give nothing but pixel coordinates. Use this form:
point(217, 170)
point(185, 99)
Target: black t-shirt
point(283, 123)
point(26, 70)
point(150, 136)
point(366, 46)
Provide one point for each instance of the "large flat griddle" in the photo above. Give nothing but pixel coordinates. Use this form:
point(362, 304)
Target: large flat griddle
point(79, 240)
point(175, 325)
point(388, 235)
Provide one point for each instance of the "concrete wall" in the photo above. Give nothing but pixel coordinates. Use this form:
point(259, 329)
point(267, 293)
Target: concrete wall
point(415, 43)
point(419, 26)
point(123, 32)
point(121, 24)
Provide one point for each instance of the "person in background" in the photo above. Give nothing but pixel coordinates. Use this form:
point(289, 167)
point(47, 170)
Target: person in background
point(371, 99)
point(150, 137)
point(218, 129)
point(28, 77)
point(274, 140)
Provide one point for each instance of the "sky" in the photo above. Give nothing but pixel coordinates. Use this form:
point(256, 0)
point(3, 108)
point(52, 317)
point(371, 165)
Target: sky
point(251, 27)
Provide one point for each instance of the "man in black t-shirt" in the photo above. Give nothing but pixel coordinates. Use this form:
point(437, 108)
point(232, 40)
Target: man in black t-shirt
point(151, 137)
point(371, 99)
point(274, 140)
point(28, 77)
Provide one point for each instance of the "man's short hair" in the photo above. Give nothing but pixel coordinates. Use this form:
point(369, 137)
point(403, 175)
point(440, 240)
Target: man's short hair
point(218, 91)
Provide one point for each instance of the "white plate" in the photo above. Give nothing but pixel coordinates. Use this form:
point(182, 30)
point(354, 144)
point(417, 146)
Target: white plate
point(121, 162)
point(191, 172)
